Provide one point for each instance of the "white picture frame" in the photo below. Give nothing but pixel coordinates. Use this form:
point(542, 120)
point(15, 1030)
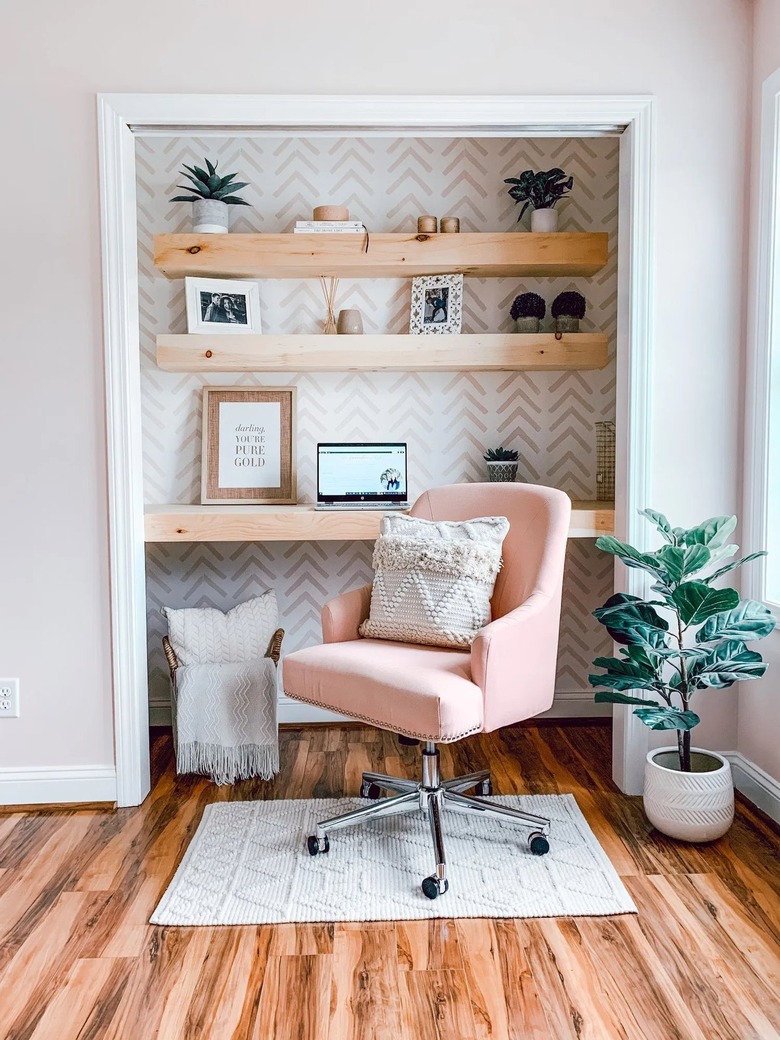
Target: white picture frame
point(222, 306)
point(437, 304)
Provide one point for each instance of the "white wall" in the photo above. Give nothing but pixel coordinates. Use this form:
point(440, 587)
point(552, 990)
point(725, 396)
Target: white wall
point(759, 702)
point(694, 56)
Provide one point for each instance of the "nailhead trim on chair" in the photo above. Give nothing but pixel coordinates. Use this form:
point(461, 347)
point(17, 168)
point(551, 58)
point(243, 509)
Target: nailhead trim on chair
point(382, 725)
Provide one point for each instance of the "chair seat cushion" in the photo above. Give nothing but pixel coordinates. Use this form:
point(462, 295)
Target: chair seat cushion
point(418, 691)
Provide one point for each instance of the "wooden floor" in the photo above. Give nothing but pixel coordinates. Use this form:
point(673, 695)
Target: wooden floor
point(78, 959)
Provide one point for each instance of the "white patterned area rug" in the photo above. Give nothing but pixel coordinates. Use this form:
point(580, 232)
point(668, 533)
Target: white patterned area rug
point(248, 864)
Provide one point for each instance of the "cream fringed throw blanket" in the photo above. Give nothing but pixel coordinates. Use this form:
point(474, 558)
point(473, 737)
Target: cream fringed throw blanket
point(225, 690)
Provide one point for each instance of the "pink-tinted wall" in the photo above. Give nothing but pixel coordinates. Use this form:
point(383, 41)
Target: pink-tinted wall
point(694, 56)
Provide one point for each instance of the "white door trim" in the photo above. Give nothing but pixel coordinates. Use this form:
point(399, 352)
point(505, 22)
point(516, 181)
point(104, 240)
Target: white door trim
point(762, 331)
point(121, 116)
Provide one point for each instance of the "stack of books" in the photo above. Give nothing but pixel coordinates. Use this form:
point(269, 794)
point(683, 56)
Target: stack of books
point(328, 227)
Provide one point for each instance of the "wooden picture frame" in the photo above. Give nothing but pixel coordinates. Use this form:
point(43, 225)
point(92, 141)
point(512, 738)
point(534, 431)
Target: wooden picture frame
point(249, 445)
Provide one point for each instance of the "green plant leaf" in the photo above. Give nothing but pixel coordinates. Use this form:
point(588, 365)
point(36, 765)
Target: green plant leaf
point(733, 565)
point(630, 556)
point(661, 523)
point(612, 697)
point(185, 198)
point(629, 620)
point(200, 174)
point(696, 601)
point(234, 200)
point(212, 169)
point(667, 718)
point(622, 682)
point(725, 664)
point(712, 533)
point(224, 190)
point(748, 620)
point(681, 561)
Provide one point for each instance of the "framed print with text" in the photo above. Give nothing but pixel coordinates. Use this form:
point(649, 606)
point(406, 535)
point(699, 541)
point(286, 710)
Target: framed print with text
point(248, 445)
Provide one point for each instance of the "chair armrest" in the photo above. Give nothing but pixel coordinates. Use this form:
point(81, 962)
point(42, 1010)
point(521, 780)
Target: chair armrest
point(514, 661)
point(342, 616)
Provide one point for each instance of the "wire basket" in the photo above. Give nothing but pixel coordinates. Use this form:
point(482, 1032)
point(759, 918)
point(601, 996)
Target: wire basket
point(605, 461)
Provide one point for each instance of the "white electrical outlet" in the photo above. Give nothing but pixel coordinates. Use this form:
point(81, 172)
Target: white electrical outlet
point(9, 698)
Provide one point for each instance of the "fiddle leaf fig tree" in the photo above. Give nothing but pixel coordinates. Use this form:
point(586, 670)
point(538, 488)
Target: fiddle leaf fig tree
point(691, 636)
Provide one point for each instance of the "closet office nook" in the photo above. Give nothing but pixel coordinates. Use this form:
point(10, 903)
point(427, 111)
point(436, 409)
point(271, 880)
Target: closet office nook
point(449, 397)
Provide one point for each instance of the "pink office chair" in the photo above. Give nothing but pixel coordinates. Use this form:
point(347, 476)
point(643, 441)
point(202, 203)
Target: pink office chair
point(437, 695)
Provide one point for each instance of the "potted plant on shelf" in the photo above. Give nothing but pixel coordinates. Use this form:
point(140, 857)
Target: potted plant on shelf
point(501, 464)
point(567, 309)
point(542, 191)
point(690, 637)
point(528, 309)
point(211, 196)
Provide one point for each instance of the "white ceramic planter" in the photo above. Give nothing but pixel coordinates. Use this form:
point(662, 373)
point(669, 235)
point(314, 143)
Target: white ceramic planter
point(696, 806)
point(544, 220)
point(210, 217)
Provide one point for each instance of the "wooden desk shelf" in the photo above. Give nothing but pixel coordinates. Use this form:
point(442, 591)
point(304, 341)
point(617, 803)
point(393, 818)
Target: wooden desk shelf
point(175, 523)
point(469, 353)
point(484, 254)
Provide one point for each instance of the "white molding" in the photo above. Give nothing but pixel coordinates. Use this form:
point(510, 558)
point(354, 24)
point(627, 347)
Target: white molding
point(47, 785)
point(755, 783)
point(123, 115)
point(762, 330)
point(125, 459)
point(630, 741)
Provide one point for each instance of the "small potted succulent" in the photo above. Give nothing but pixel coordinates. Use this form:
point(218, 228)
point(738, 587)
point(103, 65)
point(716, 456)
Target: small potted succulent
point(501, 464)
point(528, 310)
point(210, 198)
point(690, 637)
point(567, 309)
point(542, 191)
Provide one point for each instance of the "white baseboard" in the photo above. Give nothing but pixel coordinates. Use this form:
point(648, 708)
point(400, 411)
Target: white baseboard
point(755, 783)
point(57, 786)
point(567, 705)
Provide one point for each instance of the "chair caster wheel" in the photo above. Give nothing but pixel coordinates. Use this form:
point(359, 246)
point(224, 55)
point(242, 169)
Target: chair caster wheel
point(485, 788)
point(370, 790)
point(316, 846)
point(434, 886)
point(538, 844)
point(407, 741)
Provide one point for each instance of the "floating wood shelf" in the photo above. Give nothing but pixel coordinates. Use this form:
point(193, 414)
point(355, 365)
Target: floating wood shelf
point(470, 353)
point(485, 254)
point(175, 523)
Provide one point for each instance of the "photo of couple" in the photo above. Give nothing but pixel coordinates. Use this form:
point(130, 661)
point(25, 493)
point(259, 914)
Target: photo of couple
point(223, 308)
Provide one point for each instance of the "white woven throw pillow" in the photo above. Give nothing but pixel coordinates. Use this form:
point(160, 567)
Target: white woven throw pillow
point(433, 579)
point(203, 635)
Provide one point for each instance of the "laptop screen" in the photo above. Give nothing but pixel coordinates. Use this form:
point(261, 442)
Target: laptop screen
point(361, 472)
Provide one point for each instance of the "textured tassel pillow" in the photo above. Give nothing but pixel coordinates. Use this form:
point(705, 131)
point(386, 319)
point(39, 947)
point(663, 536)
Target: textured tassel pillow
point(433, 579)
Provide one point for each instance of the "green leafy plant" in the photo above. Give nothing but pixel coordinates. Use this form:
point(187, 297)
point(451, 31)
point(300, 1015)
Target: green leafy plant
point(692, 636)
point(528, 305)
point(541, 190)
point(568, 304)
point(207, 184)
point(501, 455)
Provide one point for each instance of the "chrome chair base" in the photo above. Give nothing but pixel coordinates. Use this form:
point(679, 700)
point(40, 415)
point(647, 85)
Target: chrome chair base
point(431, 795)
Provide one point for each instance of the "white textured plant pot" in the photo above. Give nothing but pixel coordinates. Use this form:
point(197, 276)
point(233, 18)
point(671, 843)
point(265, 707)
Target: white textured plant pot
point(544, 220)
point(697, 806)
point(502, 472)
point(210, 217)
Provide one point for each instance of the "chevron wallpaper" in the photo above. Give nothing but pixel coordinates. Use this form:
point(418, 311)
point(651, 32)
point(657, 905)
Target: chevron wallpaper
point(447, 418)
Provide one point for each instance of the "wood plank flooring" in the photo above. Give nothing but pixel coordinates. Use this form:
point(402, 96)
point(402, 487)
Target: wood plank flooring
point(78, 959)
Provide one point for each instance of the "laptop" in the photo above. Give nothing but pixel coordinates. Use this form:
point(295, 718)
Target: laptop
point(361, 476)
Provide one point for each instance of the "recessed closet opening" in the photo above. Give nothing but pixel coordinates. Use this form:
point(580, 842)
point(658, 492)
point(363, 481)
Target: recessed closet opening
point(168, 550)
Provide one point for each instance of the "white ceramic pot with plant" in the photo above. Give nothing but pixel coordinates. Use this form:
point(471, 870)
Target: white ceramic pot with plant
point(691, 636)
point(211, 197)
point(541, 190)
point(528, 309)
point(501, 464)
point(568, 309)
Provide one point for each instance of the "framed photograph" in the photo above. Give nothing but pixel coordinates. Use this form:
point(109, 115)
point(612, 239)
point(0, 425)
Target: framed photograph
point(219, 305)
point(248, 445)
point(437, 301)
